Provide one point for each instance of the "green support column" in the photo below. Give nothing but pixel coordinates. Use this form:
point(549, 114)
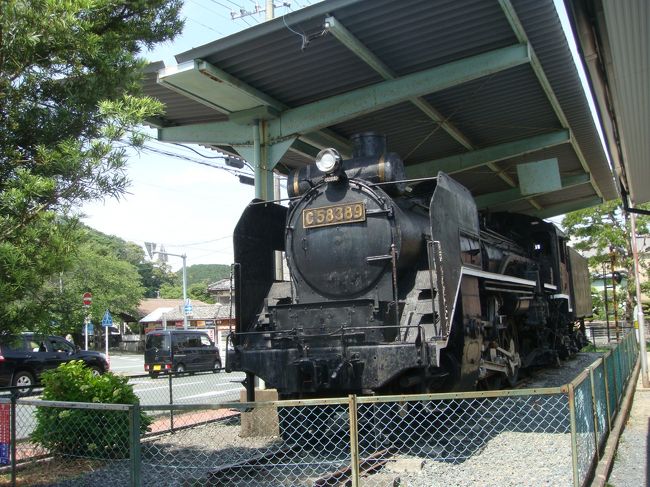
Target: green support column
point(263, 175)
point(264, 157)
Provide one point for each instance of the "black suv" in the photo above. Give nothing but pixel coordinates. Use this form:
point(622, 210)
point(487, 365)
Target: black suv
point(24, 357)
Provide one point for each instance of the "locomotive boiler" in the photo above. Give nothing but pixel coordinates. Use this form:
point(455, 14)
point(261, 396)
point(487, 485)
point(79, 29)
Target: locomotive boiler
point(397, 286)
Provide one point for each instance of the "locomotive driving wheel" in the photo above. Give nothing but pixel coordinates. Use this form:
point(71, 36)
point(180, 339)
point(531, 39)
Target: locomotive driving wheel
point(510, 349)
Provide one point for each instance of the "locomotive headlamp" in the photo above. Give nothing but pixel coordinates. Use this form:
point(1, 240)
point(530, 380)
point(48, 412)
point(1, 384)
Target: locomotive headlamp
point(328, 161)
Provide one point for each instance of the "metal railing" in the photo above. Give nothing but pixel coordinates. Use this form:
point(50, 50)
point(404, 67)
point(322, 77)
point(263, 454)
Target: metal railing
point(551, 436)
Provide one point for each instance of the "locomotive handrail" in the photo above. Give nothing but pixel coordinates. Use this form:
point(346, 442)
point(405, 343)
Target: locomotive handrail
point(335, 332)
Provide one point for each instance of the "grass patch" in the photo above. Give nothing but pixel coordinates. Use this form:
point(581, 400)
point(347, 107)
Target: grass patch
point(596, 348)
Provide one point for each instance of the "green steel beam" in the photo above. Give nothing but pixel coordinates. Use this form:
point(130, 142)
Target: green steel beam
point(345, 37)
point(480, 157)
point(221, 76)
point(509, 195)
point(215, 133)
point(304, 149)
point(263, 107)
point(325, 138)
point(520, 32)
point(155, 122)
point(568, 207)
point(324, 113)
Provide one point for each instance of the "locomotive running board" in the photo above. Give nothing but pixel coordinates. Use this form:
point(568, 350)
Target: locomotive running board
point(468, 271)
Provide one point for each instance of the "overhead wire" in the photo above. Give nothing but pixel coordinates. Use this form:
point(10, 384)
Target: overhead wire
point(204, 25)
point(210, 10)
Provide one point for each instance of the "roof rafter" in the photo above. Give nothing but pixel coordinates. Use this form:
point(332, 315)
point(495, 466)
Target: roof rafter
point(509, 195)
point(487, 155)
point(338, 108)
point(574, 205)
point(345, 37)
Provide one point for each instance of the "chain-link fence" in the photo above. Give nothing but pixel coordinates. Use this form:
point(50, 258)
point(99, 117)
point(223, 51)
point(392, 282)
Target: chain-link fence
point(595, 398)
point(57, 443)
point(549, 436)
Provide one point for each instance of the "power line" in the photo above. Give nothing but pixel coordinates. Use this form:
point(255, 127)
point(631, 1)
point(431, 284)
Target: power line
point(234, 172)
point(210, 10)
point(204, 25)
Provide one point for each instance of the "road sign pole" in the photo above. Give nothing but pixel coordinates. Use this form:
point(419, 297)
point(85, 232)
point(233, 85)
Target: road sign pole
point(185, 325)
point(107, 323)
point(87, 301)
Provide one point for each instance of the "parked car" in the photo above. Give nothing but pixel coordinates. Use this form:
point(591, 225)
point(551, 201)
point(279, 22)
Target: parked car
point(24, 357)
point(180, 351)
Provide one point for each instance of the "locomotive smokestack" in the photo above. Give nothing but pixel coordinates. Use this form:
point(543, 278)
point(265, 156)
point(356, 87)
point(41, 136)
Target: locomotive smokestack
point(368, 144)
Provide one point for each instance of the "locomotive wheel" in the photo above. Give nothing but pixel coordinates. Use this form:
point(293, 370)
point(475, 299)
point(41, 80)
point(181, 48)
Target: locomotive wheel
point(512, 376)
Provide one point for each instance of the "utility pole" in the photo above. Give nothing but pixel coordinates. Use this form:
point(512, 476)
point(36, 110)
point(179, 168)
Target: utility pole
point(269, 10)
point(639, 306)
point(151, 250)
point(606, 305)
point(612, 256)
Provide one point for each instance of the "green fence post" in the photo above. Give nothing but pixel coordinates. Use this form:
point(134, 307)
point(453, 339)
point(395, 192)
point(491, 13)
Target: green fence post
point(594, 411)
point(609, 412)
point(134, 440)
point(354, 439)
point(171, 402)
point(574, 435)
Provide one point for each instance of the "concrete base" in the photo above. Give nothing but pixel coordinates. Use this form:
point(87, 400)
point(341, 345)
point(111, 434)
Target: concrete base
point(406, 465)
point(260, 421)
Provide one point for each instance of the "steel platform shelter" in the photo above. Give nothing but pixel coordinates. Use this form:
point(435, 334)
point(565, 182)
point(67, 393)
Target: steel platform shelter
point(486, 91)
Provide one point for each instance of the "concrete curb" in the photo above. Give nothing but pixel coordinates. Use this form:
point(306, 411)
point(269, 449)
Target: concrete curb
point(606, 462)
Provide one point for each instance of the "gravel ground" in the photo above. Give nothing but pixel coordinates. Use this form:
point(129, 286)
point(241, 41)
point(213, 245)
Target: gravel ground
point(522, 446)
point(497, 464)
point(558, 376)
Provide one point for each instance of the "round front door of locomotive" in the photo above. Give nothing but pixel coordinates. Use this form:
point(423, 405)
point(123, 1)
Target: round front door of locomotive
point(340, 242)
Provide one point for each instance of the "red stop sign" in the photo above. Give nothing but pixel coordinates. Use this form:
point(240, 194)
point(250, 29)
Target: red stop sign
point(88, 299)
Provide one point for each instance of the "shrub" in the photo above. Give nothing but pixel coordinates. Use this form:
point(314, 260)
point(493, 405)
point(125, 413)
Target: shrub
point(85, 432)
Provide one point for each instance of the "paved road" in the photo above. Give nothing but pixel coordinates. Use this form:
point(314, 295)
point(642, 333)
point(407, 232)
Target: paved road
point(188, 389)
point(197, 388)
point(127, 363)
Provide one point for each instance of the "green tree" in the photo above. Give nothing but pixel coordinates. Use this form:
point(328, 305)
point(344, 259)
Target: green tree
point(204, 273)
point(69, 91)
point(154, 276)
point(198, 291)
point(602, 232)
point(113, 281)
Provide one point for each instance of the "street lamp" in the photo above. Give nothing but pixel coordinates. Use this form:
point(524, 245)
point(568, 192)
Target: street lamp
point(151, 250)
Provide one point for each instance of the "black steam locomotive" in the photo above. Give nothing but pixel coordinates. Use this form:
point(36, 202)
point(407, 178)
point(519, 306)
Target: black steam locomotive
point(397, 286)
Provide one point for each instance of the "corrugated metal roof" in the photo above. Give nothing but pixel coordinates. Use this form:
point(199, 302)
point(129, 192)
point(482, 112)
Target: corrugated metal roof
point(628, 30)
point(408, 37)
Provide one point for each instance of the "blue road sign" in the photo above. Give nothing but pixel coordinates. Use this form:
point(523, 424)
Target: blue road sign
point(188, 306)
point(107, 320)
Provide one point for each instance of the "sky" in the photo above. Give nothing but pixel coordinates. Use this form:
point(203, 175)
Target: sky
point(186, 206)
